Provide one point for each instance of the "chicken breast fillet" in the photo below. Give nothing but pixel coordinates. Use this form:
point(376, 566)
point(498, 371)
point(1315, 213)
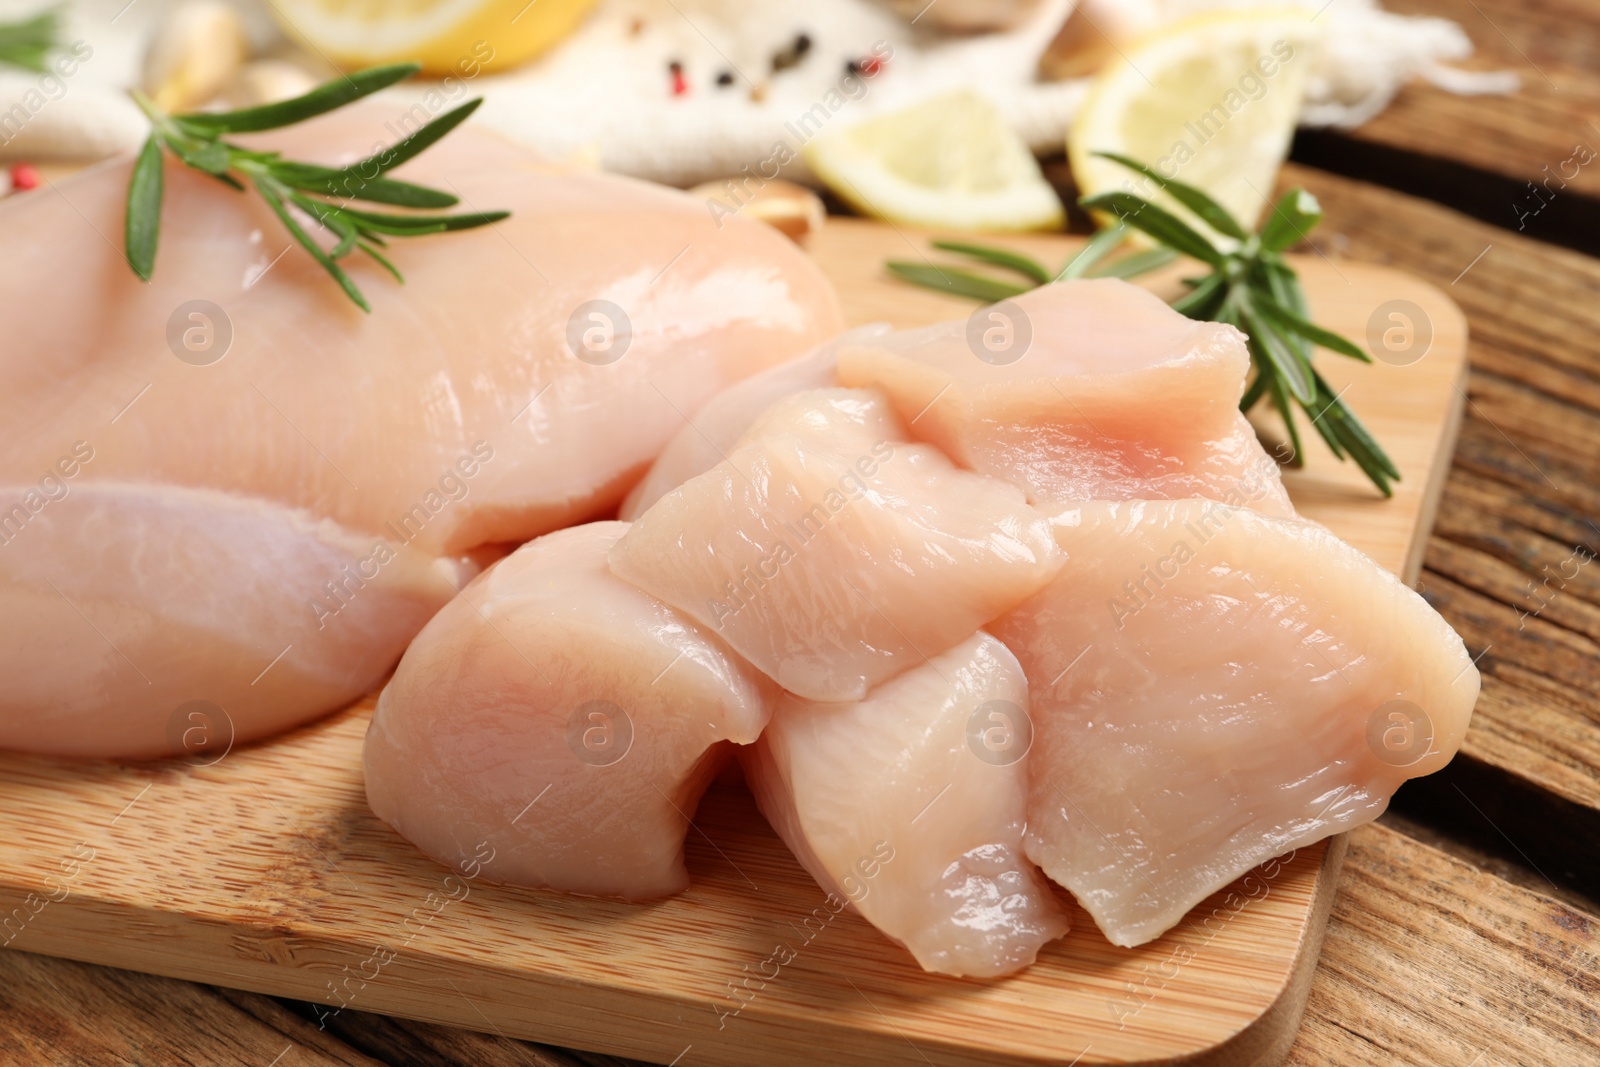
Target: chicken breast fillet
point(912, 805)
point(831, 553)
point(1071, 392)
point(1211, 688)
point(716, 429)
point(521, 380)
point(560, 721)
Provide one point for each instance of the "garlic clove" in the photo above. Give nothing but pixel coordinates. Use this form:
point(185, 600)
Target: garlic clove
point(197, 49)
point(792, 210)
point(1094, 31)
point(965, 16)
point(267, 81)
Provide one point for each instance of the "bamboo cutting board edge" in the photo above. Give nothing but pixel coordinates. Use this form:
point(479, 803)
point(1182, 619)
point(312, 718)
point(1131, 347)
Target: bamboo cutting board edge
point(267, 906)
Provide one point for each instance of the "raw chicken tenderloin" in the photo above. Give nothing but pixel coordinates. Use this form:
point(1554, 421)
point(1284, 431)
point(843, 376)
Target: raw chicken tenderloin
point(716, 429)
point(831, 553)
point(912, 805)
point(1213, 687)
point(455, 415)
point(1082, 390)
point(561, 721)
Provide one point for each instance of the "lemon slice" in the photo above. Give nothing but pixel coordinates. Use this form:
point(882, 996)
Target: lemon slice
point(1210, 101)
point(951, 162)
point(448, 37)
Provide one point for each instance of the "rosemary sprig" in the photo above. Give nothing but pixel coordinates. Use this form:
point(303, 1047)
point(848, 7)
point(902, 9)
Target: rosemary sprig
point(25, 44)
point(1250, 286)
point(295, 190)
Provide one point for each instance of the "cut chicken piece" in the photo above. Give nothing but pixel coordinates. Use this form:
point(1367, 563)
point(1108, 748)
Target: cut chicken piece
point(831, 553)
point(714, 432)
point(489, 399)
point(912, 803)
point(1083, 390)
point(1213, 687)
point(115, 628)
point(560, 721)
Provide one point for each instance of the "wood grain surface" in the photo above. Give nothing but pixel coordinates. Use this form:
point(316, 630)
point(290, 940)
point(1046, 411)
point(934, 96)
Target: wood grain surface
point(266, 871)
point(1554, 47)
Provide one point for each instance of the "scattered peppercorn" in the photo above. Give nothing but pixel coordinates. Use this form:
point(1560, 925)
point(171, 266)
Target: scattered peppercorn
point(868, 67)
point(680, 84)
point(793, 54)
point(725, 78)
point(24, 176)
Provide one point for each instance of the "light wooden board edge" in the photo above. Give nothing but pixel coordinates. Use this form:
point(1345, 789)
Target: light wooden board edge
point(444, 978)
point(296, 959)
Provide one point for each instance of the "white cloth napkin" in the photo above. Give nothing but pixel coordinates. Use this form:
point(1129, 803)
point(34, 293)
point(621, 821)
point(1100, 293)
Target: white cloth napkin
point(607, 90)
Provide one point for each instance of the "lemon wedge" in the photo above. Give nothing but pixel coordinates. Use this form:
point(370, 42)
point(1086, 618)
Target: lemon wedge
point(950, 163)
point(448, 37)
point(1210, 101)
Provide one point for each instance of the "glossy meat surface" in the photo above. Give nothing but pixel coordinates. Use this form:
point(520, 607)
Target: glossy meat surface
point(717, 427)
point(114, 630)
point(561, 720)
point(831, 553)
point(456, 415)
point(1082, 390)
point(1212, 688)
point(912, 805)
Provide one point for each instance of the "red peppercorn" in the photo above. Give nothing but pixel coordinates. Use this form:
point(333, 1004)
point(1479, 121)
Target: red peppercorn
point(871, 65)
point(24, 176)
point(680, 84)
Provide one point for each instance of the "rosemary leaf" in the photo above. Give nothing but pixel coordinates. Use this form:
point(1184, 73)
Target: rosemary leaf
point(275, 202)
point(1287, 320)
point(1354, 433)
point(1099, 246)
point(26, 44)
point(1326, 428)
point(1280, 400)
point(1202, 302)
point(1138, 263)
point(1257, 389)
point(413, 146)
point(324, 98)
point(1156, 221)
point(410, 225)
point(212, 157)
point(142, 227)
point(955, 281)
point(1206, 209)
point(1293, 217)
point(1267, 341)
point(1026, 266)
point(367, 247)
point(330, 182)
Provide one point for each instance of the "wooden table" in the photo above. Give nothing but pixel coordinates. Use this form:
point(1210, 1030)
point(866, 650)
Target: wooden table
point(1467, 927)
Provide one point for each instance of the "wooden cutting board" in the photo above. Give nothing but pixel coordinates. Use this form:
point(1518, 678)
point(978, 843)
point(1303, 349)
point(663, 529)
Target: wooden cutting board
point(265, 870)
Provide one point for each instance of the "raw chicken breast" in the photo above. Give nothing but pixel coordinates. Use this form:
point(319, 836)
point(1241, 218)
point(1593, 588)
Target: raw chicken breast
point(911, 804)
point(1213, 687)
point(112, 602)
point(455, 415)
point(832, 554)
point(712, 434)
point(559, 720)
point(1082, 390)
